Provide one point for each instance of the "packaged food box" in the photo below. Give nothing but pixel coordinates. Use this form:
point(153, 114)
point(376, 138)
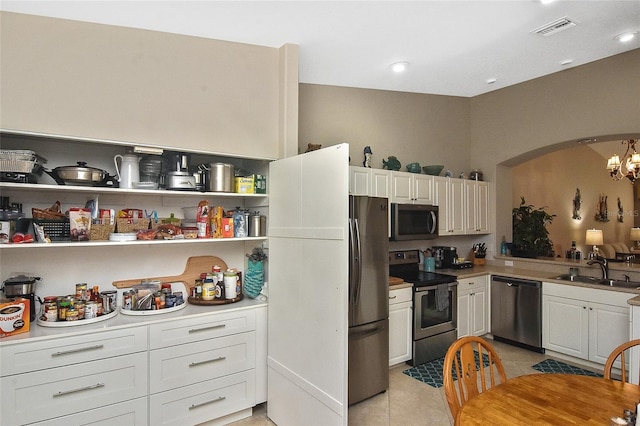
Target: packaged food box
point(79, 224)
point(260, 184)
point(244, 185)
point(14, 316)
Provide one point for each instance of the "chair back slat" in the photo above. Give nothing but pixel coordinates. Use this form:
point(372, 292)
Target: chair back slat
point(619, 352)
point(465, 373)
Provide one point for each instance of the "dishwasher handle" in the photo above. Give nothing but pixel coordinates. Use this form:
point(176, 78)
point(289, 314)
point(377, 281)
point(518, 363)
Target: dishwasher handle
point(516, 282)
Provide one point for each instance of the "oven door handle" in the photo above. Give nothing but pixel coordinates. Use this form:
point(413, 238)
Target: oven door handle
point(450, 286)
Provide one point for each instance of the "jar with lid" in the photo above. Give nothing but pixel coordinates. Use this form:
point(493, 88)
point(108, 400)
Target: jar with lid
point(208, 289)
point(49, 309)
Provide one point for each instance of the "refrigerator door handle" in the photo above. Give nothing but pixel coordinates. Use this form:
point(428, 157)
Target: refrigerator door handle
point(366, 333)
point(353, 263)
point(358, 261)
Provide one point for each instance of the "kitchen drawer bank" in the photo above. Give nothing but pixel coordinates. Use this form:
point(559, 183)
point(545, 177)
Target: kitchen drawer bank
point(192, 366)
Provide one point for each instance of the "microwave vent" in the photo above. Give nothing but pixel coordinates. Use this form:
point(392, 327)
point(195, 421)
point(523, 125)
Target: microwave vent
point(555, 27)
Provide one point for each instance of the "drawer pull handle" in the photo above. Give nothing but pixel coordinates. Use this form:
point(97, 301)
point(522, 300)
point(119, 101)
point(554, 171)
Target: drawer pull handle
point(96, 386)
point(218, 399)
point(392, 297)
point(195, 364)
point(73, 351)
point(213, 327)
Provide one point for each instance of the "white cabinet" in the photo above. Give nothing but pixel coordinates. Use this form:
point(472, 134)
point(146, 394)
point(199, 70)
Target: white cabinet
point(450, 199)
point(477, 207)
point(96, 369)
point(400, 322)
point(411, 188)
point(369, 182)
point(583, 322)
point(202, 368)
point(473, 306)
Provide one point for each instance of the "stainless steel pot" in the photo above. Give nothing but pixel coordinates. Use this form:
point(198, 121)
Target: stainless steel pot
point(80, 175)
point(221, 177)
point(20, 285)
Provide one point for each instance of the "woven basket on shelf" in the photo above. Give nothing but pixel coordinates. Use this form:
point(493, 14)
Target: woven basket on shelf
point(52, 212)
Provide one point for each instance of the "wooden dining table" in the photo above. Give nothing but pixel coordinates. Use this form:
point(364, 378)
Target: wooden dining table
point(558, 399)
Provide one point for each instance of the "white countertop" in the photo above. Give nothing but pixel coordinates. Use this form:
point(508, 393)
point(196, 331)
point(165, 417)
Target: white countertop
point(38, 333)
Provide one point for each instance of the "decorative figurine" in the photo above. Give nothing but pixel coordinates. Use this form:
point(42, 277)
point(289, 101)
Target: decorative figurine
point(313, 147)
point(392, 163)
point(620, 211)
point(602, 213)
point(577, 202)
point(367, 156)
point(448, 173)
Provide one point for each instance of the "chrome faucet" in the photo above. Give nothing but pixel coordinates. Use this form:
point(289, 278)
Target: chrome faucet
point(604, 266)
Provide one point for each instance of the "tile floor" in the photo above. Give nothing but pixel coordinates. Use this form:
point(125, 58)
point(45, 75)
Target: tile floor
point(409, 402)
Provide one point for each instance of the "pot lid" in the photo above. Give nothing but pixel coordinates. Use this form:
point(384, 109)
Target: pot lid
point(21, 279)
point(80, 167)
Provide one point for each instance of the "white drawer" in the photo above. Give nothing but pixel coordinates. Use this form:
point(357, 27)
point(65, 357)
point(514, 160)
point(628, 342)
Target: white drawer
point(72, 389)
point(42, 355)
point(134, 413)
point(201, 328)
point(400, 295)
point(196, 362)
point(203, 401)
point(472, 283)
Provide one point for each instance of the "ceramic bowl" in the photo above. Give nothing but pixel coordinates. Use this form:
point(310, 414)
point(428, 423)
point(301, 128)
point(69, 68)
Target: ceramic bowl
point(413, 167)
point(433, 169)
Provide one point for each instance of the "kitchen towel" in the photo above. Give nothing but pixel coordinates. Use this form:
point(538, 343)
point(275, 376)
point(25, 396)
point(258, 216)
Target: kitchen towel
point(442, 297)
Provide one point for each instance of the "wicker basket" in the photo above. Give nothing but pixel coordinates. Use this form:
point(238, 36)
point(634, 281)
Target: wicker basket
point(101, 232)
point(52, 212)
point(127, 225)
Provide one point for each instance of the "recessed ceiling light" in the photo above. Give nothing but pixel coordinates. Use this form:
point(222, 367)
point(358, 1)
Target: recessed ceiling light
point(566, 62)
point(491, 80)
point(399, 66)
point(546, 1)
point(626, 37)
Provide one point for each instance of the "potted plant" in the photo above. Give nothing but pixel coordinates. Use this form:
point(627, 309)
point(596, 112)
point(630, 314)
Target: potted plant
point(530, 235)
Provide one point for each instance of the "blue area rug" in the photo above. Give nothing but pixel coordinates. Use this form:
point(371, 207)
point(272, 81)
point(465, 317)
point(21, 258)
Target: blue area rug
point(559, 367)
point(431, 372)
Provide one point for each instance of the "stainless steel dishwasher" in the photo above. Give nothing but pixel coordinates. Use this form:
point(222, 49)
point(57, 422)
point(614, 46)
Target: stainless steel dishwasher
point(516, 312)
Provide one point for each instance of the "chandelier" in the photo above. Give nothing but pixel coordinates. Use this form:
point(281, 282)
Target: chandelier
point(630, 161)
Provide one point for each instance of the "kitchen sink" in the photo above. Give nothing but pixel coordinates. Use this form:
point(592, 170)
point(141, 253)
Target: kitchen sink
point(593, 280)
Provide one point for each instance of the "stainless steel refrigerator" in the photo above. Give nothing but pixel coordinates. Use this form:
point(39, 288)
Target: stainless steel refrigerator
point(368, 297)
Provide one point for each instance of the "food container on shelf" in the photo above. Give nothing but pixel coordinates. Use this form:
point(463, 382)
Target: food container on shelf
point(221, 177)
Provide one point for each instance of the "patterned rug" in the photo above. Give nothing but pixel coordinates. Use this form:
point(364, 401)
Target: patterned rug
point(431, 372)
point(553, 366)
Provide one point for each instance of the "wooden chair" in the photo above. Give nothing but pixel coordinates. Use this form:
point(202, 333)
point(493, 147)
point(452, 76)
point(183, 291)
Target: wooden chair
point(471, 378)
point(619, 352)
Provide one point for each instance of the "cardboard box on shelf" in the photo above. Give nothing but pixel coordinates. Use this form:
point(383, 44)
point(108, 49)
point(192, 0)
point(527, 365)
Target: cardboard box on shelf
point(14, 316)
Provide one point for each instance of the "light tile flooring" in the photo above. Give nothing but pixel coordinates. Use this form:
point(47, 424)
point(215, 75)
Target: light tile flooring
point(409, 402)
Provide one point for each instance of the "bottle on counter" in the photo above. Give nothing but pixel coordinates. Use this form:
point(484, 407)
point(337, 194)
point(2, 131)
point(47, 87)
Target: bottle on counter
point(208, 289)
point(503, 246)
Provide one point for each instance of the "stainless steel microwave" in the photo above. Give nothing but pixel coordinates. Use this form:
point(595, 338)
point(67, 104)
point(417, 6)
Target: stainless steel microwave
point(413, 222)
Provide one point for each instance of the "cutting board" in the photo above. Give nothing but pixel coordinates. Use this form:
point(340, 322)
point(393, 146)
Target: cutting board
point(194, 267)
point(395, 281)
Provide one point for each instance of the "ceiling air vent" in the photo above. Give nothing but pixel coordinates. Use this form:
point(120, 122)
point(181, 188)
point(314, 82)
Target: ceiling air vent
point(554, 27)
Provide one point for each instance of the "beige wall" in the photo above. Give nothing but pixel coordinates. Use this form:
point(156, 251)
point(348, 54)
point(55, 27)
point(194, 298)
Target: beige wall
point(508, 126)
point(551, 180)
point(145, 87)
point(428, 129)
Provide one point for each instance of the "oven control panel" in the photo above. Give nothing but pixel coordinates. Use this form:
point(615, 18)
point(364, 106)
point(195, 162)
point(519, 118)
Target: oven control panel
point(403, 257)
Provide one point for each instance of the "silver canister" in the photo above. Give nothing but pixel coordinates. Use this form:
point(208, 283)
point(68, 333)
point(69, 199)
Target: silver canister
point(221, 177)
point(257, 225)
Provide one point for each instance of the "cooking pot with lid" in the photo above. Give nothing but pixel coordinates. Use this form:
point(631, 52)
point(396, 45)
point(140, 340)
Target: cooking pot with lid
point(80, 174)
point(20, 285)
